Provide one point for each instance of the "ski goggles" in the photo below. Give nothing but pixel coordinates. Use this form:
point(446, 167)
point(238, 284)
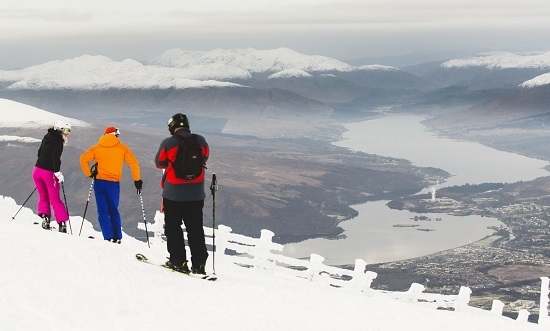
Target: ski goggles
point(66, 131)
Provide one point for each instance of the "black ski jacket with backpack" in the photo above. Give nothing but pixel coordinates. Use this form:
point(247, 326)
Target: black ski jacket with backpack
point(175, 188)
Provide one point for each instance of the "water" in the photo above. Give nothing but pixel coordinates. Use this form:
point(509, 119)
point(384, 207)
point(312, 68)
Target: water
point(371, 236)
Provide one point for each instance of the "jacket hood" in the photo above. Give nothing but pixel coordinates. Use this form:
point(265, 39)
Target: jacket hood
point(108, 140)
point(52, 135)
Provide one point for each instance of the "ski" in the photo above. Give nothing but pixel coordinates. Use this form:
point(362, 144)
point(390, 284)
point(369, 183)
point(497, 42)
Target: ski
point(143, 258)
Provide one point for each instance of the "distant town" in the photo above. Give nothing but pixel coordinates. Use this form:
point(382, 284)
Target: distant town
point(505, 266)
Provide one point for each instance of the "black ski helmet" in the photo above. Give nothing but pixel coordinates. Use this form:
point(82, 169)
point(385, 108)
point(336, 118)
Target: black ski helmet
point(177, 121)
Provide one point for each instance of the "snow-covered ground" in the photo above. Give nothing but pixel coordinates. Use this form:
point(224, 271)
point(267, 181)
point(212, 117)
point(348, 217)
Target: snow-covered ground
point(54, 281)
point(19, 115)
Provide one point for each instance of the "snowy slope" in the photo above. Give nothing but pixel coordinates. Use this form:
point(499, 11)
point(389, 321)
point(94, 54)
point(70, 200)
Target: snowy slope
point(18, 115)
point(290, 73)
point(253, 60)
point(181, 69)
point(53, 281)
point(377, 67)
point(537, 81)
point(504, 60)
point(175, 68)
point(99, 72)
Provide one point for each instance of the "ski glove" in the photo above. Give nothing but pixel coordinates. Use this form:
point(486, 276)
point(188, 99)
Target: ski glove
point(59, 176)
point(93, 171)
point(139, 185)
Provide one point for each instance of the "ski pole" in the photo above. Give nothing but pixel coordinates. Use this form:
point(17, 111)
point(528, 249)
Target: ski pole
point(13, 217)
point(213, 189)
point(144, 221)
point(85, 209)
point(66, 207)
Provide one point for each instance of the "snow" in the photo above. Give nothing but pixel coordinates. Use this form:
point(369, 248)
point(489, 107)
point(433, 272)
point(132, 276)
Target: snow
point(175, 68)
point(540, 80)
point(54, 281)
point(253, 60)
point(99, 72)
point(18, 115)
point(503, 60)
point(19, 139)
point(181, 69)
point(290, 73)
point(378, 67)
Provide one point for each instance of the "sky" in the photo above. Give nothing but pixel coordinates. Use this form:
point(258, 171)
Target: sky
point(56, 281)
point(36, 31)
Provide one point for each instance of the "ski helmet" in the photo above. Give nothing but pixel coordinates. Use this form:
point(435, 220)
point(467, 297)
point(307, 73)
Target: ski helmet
point(177, 121)
point(62, 126)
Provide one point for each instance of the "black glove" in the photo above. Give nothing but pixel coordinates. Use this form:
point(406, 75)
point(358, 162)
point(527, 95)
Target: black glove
point(138, 184)
point(93, 171)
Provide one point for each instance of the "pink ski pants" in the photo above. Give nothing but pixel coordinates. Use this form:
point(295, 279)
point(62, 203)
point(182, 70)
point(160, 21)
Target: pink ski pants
point(48, 194)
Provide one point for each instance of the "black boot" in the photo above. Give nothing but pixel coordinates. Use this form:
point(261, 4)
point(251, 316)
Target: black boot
point(63, 227)
point(179, 267)
point(45, 222)
point(199, 270)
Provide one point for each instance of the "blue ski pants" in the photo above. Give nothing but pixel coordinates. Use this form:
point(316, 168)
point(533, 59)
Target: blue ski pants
point(107, 196)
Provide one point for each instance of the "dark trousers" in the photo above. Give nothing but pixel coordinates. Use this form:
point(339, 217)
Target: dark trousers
point(190, 212)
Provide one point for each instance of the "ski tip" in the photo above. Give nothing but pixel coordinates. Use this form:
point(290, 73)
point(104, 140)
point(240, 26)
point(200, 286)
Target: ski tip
point(141, 257)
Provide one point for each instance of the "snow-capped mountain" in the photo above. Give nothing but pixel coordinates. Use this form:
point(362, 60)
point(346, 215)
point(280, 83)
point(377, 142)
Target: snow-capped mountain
point(249, 84)
point(201, 82)
point(541, 80)
point(503, 60)
point(252, 60)
point(490, 71)
point(176, 69)
point(516, 103)
point(290, 73)
point(102, 73)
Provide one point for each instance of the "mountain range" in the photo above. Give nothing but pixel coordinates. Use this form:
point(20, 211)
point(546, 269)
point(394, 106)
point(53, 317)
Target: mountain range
point(279, 84)
point(266, 110)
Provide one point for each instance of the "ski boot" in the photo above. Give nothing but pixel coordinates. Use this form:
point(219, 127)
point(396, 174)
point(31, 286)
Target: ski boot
point(63, 227)
point(200, 270)
point(183, 268)
point(45, 222)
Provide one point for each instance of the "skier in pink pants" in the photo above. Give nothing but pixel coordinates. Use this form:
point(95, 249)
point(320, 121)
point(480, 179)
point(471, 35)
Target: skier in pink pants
point(48, 178)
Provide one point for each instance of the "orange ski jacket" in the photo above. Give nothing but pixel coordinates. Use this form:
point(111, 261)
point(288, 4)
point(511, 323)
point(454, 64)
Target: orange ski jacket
point(110, 155)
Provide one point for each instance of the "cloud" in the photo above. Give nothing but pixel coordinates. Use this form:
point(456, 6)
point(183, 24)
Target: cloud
point(60, 15)
point(343, 28)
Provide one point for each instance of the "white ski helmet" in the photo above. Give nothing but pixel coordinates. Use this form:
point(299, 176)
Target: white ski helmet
point(62, 126)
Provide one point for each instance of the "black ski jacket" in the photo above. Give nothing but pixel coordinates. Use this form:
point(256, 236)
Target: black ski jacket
point(49, 153)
